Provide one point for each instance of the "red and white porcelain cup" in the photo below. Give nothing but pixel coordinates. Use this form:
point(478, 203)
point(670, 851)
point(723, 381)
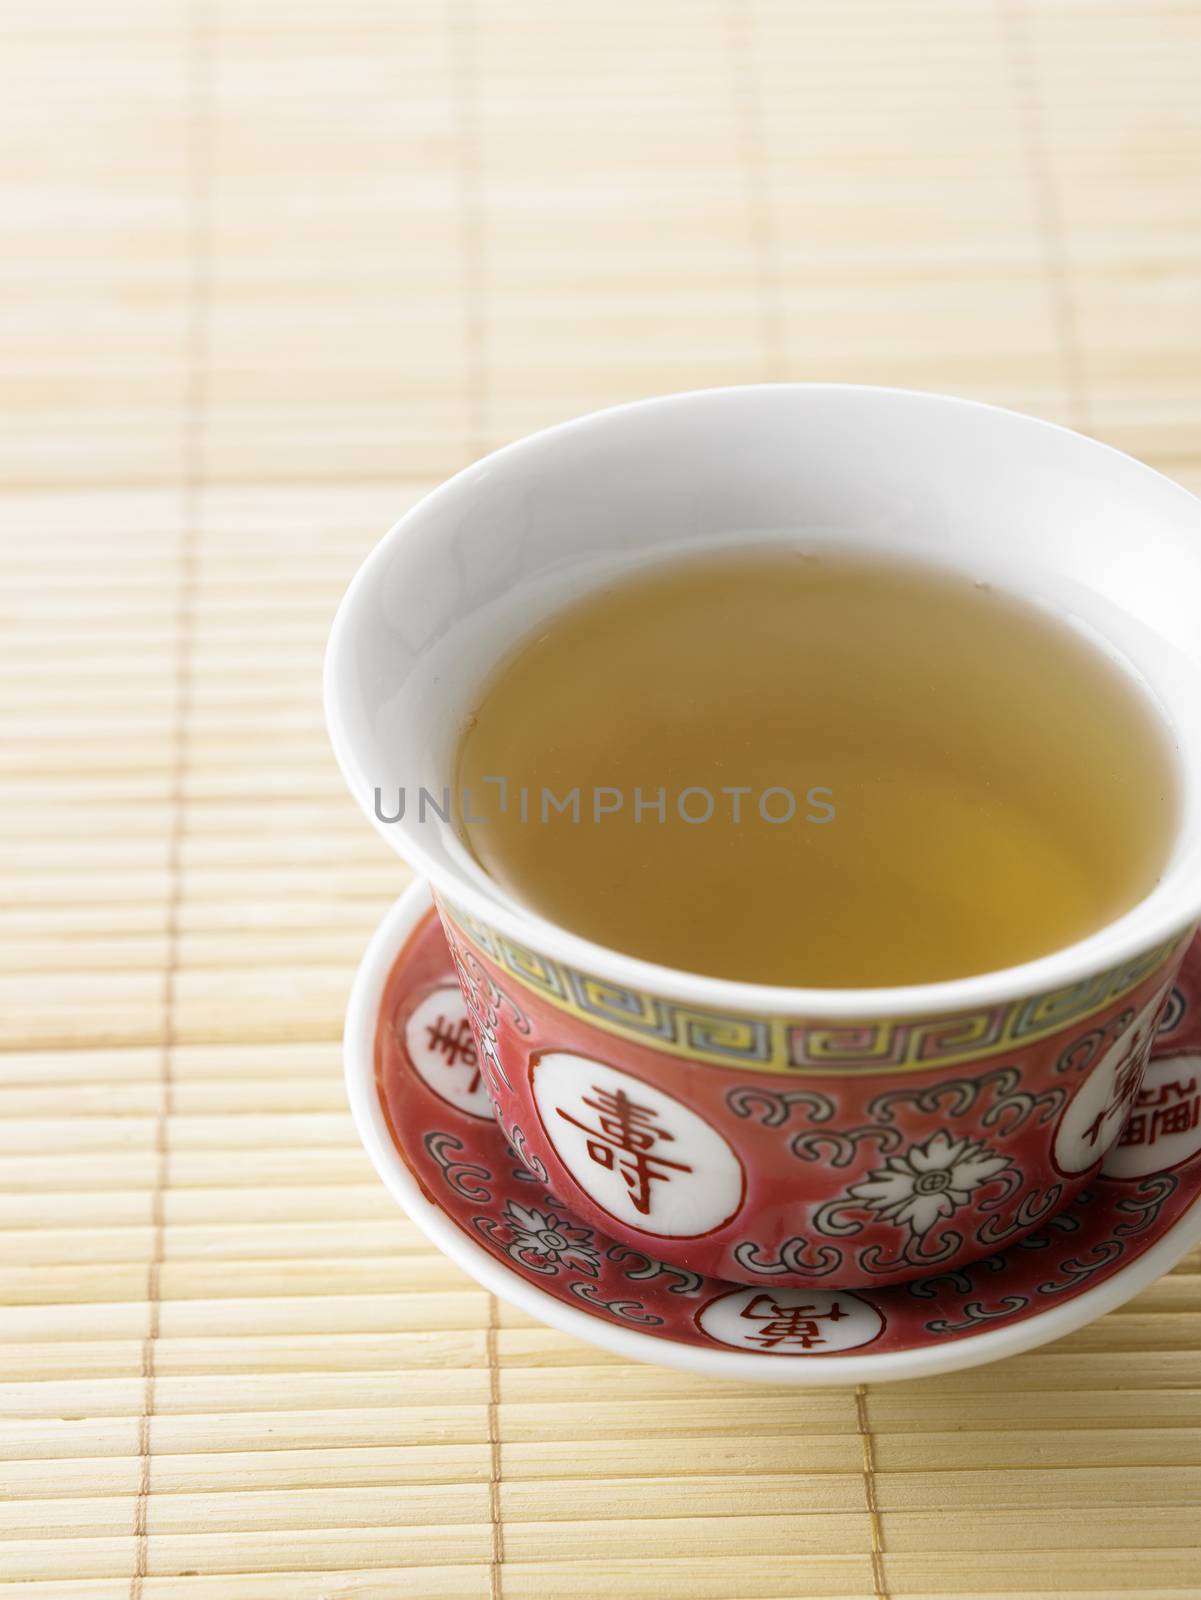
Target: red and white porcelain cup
point(750, 1132)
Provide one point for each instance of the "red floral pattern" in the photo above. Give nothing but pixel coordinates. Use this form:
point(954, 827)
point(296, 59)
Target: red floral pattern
point(501, 1199)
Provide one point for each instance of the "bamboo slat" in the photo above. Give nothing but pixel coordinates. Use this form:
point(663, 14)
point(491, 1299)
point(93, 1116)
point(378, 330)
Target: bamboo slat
point(269, 272)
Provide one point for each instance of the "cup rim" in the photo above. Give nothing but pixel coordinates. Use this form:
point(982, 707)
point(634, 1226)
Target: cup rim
point(1115, 942)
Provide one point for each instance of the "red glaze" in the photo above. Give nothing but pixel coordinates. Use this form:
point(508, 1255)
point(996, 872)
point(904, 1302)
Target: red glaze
point(532, 1213)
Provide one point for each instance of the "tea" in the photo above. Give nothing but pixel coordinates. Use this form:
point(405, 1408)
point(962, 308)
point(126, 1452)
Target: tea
point(817, 769)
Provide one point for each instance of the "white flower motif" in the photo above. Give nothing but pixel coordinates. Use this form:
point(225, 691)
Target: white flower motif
point(929, 1182)
point(544, 1241)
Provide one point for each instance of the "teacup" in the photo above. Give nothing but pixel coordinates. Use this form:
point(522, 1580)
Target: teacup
point(764, 1134)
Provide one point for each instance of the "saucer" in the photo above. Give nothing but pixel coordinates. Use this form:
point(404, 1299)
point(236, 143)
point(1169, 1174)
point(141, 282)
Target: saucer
point(424, 1116)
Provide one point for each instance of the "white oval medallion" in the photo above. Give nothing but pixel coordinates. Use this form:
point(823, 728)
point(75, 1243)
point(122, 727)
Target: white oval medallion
point(638, 1154)
point(1164, 1126)
point(790, 1322)
point(440, 1046)
point(1094, 1118)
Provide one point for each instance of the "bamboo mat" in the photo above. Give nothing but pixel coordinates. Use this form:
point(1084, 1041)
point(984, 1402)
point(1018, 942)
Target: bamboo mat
point(270, 270)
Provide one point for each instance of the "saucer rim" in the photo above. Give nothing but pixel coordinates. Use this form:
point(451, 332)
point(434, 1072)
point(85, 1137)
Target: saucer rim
point(399, 923)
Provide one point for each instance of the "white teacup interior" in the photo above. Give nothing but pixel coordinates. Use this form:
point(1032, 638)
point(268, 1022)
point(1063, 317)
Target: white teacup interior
point(1108, 545)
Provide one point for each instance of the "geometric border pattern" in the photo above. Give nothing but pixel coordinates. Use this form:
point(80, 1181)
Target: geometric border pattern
point(773, 1044)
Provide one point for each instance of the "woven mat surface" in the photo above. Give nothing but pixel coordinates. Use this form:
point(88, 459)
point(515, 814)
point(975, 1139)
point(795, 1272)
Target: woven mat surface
point(271, 268)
